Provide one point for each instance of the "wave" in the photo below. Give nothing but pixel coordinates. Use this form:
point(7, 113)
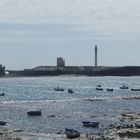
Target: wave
point(38, 101)
point(71, 100)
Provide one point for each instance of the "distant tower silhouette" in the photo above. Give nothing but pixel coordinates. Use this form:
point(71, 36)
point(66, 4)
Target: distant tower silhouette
point(96, 53)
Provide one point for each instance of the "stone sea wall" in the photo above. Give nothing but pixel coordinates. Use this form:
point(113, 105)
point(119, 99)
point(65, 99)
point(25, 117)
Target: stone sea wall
point(84, 70)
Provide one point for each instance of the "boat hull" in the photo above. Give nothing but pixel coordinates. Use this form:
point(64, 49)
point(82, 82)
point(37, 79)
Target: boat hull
point(133, 89)
point(2, 123)
point(90, 124)
point(34, 113)
point(70, 133)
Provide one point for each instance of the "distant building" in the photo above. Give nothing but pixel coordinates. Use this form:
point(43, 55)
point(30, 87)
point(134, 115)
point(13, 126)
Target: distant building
point(2, 70)
point(60, 62)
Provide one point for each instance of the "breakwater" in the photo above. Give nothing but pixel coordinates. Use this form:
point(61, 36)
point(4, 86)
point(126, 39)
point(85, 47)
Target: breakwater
point(77, 70)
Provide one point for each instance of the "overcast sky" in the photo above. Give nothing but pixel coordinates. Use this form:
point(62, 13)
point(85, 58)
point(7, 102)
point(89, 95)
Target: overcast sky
point(36, 32)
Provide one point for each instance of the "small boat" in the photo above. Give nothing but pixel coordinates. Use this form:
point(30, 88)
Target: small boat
point(70, 133)
point(90, 124)
point(34, 113)
point(59, 89)
point(124, 87)
point(99, 88)
point(2, 94)
point(2, 123)
point(70, 90)
point(109, 89)
point(98, 85)
point(135, 89)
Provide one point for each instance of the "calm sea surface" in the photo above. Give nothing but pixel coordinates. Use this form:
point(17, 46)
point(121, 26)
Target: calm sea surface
point(85, 104)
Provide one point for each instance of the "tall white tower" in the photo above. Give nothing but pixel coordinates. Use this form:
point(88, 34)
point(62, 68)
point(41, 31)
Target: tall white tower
point(96, 53)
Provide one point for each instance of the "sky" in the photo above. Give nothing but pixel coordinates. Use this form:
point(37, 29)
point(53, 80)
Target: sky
point(35, 32)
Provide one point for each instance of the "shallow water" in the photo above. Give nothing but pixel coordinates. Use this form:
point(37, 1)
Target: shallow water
point(24, 94)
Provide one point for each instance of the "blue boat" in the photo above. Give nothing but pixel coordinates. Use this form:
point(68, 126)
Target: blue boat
point(2, 94)
point(70, 133)
point(34, 113)
point(90, 124)
point(2, 123)
point(135, 89)
point(109, 89)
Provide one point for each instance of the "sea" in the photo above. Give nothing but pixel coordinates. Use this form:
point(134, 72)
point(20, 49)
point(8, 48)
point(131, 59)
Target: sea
point(61, 109)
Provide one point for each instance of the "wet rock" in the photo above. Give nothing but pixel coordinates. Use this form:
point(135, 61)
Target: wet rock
point(60, 132)
point(1, 133)
point(137, 125)
point(129, 134)
point(101, 138)
point(130, 116)
point(18, 130)
point(17, 139)
point(92, 100)
point(132, 98)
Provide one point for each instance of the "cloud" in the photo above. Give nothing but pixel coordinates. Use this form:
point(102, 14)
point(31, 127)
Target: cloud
point(67, 11)
point(58, 21)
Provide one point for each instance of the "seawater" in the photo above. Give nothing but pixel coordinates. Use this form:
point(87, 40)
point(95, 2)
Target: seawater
point(85, 104)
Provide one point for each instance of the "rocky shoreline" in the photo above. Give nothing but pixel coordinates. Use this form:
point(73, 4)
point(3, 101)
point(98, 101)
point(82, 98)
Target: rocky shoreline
point(128, 128)
point(111, 134)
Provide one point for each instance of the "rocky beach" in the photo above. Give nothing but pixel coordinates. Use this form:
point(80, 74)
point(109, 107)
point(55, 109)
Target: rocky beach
point(116, 111)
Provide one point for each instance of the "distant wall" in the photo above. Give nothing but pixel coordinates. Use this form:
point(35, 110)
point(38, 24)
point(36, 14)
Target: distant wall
point(121, 71)
point(33, 73)
point(89, 71)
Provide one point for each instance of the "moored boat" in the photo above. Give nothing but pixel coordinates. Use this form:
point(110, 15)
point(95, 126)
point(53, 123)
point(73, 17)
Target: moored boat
point(70, 90)
point(99, 88)
point(2, 123)
point(34, 113)
point(90, 124)
point(124, 87)
point(70, 133)
point(110, 89)
point(135, 89)
point(59, 89)
point(2, 94)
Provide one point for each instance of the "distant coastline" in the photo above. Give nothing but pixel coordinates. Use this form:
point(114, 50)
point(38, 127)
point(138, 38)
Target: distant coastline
point(76, 70)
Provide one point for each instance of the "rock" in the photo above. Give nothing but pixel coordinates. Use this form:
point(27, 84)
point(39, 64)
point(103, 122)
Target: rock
point(18, 130)
point(130, 116)
point(17, 139)
point(129, 134)
point(137, 125)
point(132, 98)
